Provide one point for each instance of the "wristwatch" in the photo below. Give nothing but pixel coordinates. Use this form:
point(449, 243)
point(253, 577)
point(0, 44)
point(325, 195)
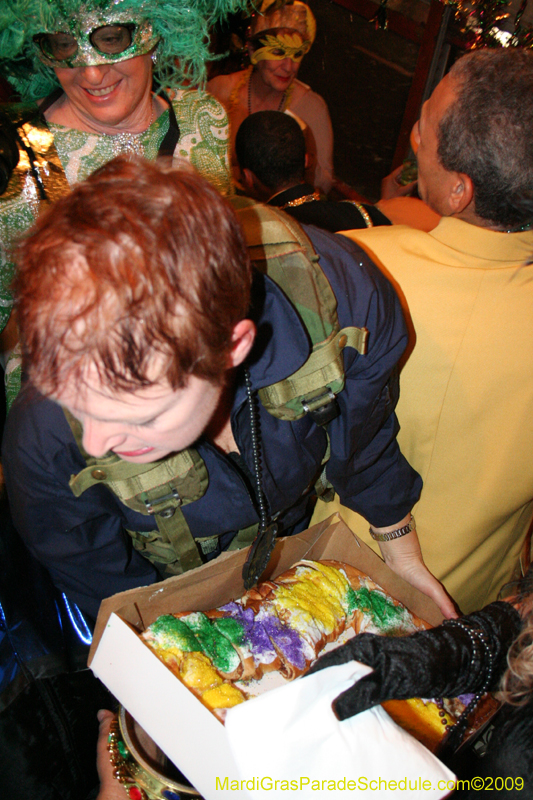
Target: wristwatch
point(396, 534)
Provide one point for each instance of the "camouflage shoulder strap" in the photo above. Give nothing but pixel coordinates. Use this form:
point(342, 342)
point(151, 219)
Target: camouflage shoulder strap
point(279, 247)
point(157, 489)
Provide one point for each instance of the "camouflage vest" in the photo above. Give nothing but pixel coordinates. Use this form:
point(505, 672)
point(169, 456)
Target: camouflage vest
point(279, 248)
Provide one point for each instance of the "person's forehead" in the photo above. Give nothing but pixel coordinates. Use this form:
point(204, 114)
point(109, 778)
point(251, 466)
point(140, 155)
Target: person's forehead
point(91, 396)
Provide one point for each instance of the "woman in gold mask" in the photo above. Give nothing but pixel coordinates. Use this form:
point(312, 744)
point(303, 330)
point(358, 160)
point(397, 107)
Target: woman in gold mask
point(278, 39)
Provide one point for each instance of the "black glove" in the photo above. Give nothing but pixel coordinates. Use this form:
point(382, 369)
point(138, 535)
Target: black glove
point(467, 655)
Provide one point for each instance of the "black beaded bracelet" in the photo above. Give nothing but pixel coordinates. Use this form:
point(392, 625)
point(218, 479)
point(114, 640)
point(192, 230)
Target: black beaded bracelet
point(481, 648)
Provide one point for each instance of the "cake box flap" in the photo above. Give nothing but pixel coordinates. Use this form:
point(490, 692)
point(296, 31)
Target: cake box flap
point(182, 727)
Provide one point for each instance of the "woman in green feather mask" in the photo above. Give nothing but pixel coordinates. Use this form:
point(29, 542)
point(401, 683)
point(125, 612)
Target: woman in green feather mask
point(91, 77)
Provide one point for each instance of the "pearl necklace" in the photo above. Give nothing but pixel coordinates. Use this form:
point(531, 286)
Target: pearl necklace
point(131, 142)
point(281, 102)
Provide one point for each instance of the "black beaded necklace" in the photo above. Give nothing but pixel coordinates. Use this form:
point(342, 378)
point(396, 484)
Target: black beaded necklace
point(265, 539)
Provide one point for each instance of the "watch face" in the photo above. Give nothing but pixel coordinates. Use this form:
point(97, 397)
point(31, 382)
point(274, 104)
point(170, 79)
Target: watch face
point(259, 555)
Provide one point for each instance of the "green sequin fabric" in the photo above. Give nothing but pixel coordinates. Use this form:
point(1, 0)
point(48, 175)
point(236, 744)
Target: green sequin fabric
point(203, 141)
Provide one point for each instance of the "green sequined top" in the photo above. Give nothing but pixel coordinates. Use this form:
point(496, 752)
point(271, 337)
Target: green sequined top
point(204, 137)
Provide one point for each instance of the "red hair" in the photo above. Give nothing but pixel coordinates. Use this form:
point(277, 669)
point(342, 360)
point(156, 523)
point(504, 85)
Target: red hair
point(138, 260)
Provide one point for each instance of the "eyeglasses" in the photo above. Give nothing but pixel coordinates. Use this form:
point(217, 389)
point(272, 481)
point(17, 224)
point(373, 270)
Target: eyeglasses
point(108, 40)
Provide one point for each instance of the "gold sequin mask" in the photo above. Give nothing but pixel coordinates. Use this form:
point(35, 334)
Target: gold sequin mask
point(280, 45)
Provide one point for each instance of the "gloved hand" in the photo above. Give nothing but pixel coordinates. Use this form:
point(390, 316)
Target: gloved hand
point(459, 656)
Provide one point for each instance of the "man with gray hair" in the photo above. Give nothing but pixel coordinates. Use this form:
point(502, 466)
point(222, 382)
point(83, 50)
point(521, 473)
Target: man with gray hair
point(466, 404)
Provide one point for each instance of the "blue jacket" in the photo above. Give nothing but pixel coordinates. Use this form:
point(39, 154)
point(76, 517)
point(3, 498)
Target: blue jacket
point(82, 541)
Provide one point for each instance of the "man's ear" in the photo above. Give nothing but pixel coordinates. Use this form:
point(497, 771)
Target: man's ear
point(254, 187)
point(461, 193)
point(248, 179)
point(242, 341)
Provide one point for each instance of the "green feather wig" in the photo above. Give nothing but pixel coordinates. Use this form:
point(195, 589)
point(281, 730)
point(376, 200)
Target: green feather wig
point(182, 27)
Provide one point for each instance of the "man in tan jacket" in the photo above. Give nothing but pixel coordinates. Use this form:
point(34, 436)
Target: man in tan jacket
point(466, 398)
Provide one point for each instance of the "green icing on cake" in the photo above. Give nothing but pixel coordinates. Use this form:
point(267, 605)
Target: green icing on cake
point(169, 631)
point(385, 615)
point(350, 601)
point(231, 629)
point(213, 643)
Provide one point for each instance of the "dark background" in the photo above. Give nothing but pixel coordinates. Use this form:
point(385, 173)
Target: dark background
point(364, 75)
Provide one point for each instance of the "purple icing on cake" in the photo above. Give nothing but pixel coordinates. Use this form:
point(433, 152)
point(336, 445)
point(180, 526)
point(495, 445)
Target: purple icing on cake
point(288, 641)
point(267, 635)
point(258, 639)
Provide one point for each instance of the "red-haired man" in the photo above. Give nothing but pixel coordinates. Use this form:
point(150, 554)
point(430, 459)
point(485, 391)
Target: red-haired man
point(141, 319)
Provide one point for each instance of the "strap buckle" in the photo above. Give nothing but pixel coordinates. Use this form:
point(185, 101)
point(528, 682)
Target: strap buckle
point(208, 544)
point(167, 512)
point(323, 408)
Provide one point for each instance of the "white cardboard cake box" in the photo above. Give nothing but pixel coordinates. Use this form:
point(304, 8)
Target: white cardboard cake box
point(182, 727)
